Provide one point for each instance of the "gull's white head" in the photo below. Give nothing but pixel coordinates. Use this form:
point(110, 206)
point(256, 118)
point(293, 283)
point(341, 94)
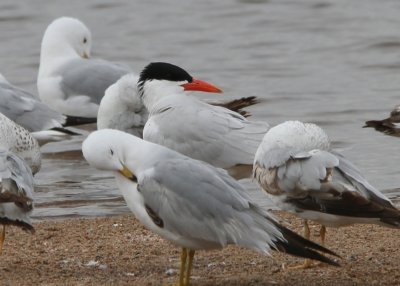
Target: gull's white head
point(159, 79)
point(103, 150)
point(117, 151)
point(66, 37)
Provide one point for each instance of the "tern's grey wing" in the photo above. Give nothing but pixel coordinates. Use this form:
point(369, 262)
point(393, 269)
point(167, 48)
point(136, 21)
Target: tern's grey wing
point(212, 134)
point(26, 110)
point(90, 77)
point(182, 194)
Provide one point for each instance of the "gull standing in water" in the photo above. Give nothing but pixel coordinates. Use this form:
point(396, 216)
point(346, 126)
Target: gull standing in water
point(294, 164)
point(122, 108)
point(194, 128)
point(189, 202)
point(389, 126)
point(19, 158)
point(70, 81)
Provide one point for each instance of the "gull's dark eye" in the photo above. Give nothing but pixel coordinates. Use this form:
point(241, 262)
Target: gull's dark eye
point(84, 40)
point(111, 152)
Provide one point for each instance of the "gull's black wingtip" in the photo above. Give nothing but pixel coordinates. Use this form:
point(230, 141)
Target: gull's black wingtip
point(297, 245)
point(77, 120)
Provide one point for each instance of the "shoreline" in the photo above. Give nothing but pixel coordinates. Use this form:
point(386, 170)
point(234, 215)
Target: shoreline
point(117, 250)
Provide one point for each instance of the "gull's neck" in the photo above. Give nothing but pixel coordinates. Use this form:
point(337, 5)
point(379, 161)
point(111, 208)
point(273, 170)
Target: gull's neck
point(54, 53)
point(141, 155)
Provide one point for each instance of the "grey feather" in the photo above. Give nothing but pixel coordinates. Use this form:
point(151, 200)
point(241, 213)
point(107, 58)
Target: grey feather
point(27, 110)
point(208, 194)
point(89, 77)
point(213, 134)
point(16, 190)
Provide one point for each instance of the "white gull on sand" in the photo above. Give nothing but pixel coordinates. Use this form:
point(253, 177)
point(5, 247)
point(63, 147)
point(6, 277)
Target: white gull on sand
point(189, 202)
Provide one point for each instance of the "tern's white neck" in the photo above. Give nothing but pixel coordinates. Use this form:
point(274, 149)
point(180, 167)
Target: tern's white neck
point(155, 90)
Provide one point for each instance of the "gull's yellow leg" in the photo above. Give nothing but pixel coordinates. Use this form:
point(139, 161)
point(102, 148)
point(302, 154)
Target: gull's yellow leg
point(307, 262)
point(189, 267)
point(183, 266)
point(2, 238)
point(322, 233)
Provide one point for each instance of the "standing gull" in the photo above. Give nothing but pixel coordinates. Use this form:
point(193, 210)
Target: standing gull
point(194, 128)
point(122, 108)
point(188, 202)
point(19, 158)
point(389, 126)
point(68, 80)
point(294, 164)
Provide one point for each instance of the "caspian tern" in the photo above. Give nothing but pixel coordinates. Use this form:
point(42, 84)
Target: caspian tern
point(122, 108)
point(20, 157)
point(194, 128)
point(68, 80)
point(189, 202)
point(295, 165)
point(389, 126)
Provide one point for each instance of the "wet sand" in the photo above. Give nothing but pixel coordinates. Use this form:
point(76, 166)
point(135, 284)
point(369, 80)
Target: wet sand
point(119, 251)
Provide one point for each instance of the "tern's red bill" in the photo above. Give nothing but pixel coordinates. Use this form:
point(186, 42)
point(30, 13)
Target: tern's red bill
point(199, 85)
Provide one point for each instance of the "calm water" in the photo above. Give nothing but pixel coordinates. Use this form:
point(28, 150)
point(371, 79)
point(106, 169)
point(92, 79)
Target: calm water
point(335, 63)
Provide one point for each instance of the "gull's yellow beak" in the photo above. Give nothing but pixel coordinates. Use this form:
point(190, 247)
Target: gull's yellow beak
point(128, 174)
point(85, 55)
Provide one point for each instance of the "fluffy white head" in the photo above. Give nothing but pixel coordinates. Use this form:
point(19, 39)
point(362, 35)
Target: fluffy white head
point(65, 38)
point(296, 134)
point(121, 107)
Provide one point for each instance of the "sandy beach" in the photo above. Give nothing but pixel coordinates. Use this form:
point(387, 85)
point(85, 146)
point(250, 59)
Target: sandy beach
point(119, 251)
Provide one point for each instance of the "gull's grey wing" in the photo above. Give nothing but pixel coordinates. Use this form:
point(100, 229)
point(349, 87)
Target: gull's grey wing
point(351, 173)
point(181, 194)
point(89, 77)
point(16, 179)
point(27, 110)
point(324, 182)
point(16, 191)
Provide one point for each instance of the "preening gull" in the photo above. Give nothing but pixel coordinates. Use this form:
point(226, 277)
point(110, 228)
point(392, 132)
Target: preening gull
point(295, 165)
point(19, 159)
point(188, 202)
point(69, 80)
point(192, 127)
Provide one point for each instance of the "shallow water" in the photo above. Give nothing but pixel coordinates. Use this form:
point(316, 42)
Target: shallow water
point(335, 63)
